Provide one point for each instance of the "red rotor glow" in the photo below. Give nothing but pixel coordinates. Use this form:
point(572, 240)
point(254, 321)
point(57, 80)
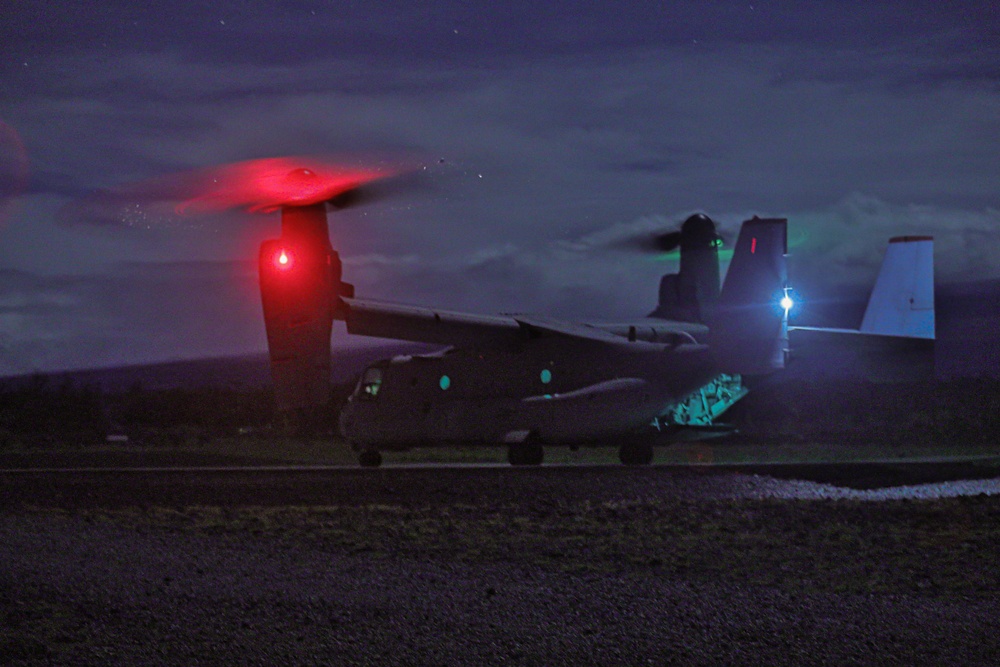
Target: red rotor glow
point(270, 183)
point(263, 185)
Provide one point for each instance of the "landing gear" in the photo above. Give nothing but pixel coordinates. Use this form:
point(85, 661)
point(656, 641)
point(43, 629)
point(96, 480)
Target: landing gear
point(370, 458)
point(528, 453)
point(636, 453)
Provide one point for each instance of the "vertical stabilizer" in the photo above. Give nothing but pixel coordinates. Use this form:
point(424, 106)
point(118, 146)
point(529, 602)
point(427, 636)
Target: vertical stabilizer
point(902, 301)
point(749, 326)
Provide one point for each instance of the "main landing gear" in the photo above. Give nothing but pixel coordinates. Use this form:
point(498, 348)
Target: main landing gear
point(636, 453)
point(527, 453)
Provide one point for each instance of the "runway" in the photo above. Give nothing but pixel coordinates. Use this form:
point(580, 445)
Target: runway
point(433, 484)
point(775, 466)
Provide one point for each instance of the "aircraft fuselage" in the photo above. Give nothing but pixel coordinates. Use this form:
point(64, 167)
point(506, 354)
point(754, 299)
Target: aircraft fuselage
point(555, 390)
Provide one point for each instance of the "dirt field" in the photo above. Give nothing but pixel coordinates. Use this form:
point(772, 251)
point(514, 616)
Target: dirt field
point(545, 566)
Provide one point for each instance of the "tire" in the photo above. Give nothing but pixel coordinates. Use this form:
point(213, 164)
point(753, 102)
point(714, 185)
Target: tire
point(527, 453)
point(370, 458)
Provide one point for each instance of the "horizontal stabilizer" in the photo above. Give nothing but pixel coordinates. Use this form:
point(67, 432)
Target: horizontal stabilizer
point(896, 339)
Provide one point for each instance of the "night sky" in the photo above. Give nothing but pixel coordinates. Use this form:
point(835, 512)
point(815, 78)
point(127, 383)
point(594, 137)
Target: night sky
point(551, 131)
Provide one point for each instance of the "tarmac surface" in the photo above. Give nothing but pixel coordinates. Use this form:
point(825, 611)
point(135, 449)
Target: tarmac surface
point(470, 565)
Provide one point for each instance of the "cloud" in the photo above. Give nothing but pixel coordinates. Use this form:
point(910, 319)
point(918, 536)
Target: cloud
point(136, 314)
point(707, 126)
point(596, 275)
point(843, 244)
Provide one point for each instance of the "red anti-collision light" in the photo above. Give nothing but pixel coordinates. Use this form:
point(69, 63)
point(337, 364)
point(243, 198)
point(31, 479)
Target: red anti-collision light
point(283, 260)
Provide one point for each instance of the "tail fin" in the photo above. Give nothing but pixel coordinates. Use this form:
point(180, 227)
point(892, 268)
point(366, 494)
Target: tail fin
point(902, 301)
point(749, 326)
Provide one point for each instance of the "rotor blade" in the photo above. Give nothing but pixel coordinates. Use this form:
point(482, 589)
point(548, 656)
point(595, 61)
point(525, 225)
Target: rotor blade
point(404, 181)
point(262, 185)
point(650, 243)
point(268, 184)
point(666, 242)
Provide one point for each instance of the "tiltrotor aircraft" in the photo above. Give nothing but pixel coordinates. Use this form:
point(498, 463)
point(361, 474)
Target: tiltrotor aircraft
point(527, 381)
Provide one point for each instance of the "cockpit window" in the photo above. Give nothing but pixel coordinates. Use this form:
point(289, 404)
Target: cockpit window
point(370, 383)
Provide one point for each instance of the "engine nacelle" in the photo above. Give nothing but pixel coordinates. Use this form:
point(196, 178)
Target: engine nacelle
point(300, 288)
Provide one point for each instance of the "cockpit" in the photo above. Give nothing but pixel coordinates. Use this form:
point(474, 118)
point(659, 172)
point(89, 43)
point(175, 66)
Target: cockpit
point(369, 384)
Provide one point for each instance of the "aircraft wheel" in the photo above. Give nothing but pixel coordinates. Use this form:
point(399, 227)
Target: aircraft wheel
point(526, 454)
point(370, 458)
point(636, 454)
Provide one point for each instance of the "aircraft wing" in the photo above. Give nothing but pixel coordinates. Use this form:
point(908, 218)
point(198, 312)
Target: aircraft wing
point(429, 325)
point(656, 330)
point(470, 331)
point(543, 326)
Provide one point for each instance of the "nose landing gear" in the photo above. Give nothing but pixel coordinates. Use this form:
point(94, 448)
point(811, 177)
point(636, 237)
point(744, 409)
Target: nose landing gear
point(527, 453)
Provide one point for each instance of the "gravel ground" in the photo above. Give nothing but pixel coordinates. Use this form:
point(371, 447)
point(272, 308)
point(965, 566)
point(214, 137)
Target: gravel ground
point(531, 567)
